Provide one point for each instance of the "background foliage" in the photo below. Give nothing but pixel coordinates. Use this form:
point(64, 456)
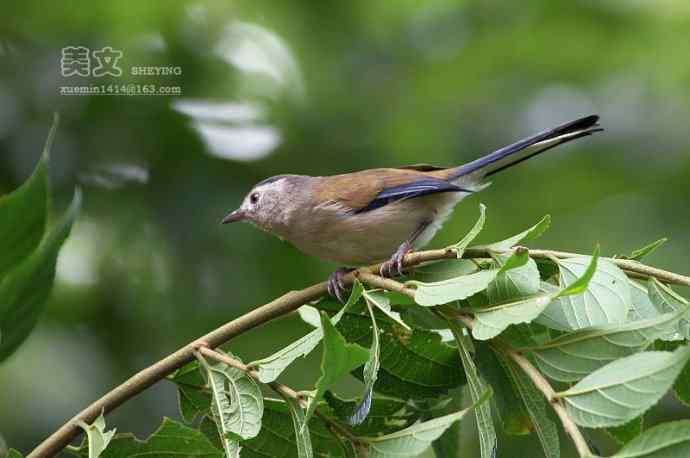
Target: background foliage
point(314, 88)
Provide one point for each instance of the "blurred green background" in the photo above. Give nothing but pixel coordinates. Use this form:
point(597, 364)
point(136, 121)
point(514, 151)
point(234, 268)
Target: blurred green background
point(315, 88)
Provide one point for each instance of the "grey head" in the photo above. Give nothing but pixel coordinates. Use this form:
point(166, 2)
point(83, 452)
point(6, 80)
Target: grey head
point(267, 205)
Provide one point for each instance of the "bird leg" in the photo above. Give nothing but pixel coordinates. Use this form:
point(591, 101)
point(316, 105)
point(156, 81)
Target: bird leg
point(394, 266)
point(336, 287)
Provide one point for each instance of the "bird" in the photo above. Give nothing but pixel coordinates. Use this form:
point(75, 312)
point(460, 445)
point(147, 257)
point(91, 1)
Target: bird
point(380, 215)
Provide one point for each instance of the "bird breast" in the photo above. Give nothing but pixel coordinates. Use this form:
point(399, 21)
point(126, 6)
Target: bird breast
point(335, 233)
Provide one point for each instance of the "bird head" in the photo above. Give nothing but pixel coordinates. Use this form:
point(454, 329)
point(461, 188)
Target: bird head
point(264, 205)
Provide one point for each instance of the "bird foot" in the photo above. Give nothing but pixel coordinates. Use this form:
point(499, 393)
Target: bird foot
point(336, 287)
point(394, 266)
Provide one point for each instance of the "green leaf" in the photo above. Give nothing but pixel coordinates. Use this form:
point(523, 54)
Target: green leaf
point(535, 404)
point(14, 454)
point(444, 269)
point(579, 283)
point(170, 439)
point(514, 281)
point(415, 439)
point(682, 386)
point(338, 359)
point(387, 415)
point(518, 258)
point(642, 306)
point(443, 292)
point(192, 402)
point(491, 321)
point(667, 440)
point(485, 424)
point(193, 394)
point(96, 436)
point(646, 250)
point(381, 301)
point(236, 404)
point(277, 436)
point(448, 445)
point(571, 357)
point(624, 389)
point(525, 335)
point(310, 315)
point(24, 291)
point(530, 234)
point(371, 370)
point(209, 429)
point(666, 300)
point(271, 367)
point(509, 408)
point(302, 435)
point(460, 247)
point(627, 432)
point(606, 300)
point(414, 364)
point(454, 289)
point(23, 212)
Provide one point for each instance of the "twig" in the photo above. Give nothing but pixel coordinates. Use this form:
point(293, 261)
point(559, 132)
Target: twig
point(279, 388)
point(279, 307)
point(543, 385)
point(384, 283)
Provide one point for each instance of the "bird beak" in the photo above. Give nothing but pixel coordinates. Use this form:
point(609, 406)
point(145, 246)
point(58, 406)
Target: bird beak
point(237, 215)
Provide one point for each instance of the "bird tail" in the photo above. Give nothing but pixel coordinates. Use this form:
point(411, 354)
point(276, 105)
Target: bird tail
point(524, 149)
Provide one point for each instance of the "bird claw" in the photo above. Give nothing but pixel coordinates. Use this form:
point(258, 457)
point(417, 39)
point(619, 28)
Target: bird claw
point(336, 286)
point(395, 265)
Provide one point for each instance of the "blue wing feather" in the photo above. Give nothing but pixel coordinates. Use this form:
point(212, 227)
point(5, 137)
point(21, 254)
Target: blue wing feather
point(418, 188)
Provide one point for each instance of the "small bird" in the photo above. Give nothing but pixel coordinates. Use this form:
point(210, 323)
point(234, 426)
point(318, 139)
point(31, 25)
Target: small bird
point(377, 215)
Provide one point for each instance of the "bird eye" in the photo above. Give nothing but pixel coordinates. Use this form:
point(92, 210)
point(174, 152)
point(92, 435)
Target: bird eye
point(254, 198)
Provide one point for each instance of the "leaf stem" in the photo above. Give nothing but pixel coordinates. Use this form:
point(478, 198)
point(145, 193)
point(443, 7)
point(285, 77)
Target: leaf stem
point(279, 307)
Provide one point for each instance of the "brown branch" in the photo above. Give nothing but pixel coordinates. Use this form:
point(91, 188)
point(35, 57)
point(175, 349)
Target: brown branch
point(275, 309)
point(634, 268)
point(629, 266)
point(384, 283)
point(547, 390)
point(152, 374)
point(279, 388)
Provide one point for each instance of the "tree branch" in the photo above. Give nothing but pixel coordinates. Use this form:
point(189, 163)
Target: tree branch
point(547, 390)
point(629, 266)
point(281, 306)
point(152, 374)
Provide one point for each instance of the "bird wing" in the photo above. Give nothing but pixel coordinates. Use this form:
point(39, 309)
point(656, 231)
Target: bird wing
point(372, 189)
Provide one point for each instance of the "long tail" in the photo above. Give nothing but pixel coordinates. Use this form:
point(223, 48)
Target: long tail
point(524, 149)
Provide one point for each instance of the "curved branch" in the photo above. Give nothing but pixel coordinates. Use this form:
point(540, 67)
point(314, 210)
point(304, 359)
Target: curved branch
point(281, 306)
point(158, 371)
